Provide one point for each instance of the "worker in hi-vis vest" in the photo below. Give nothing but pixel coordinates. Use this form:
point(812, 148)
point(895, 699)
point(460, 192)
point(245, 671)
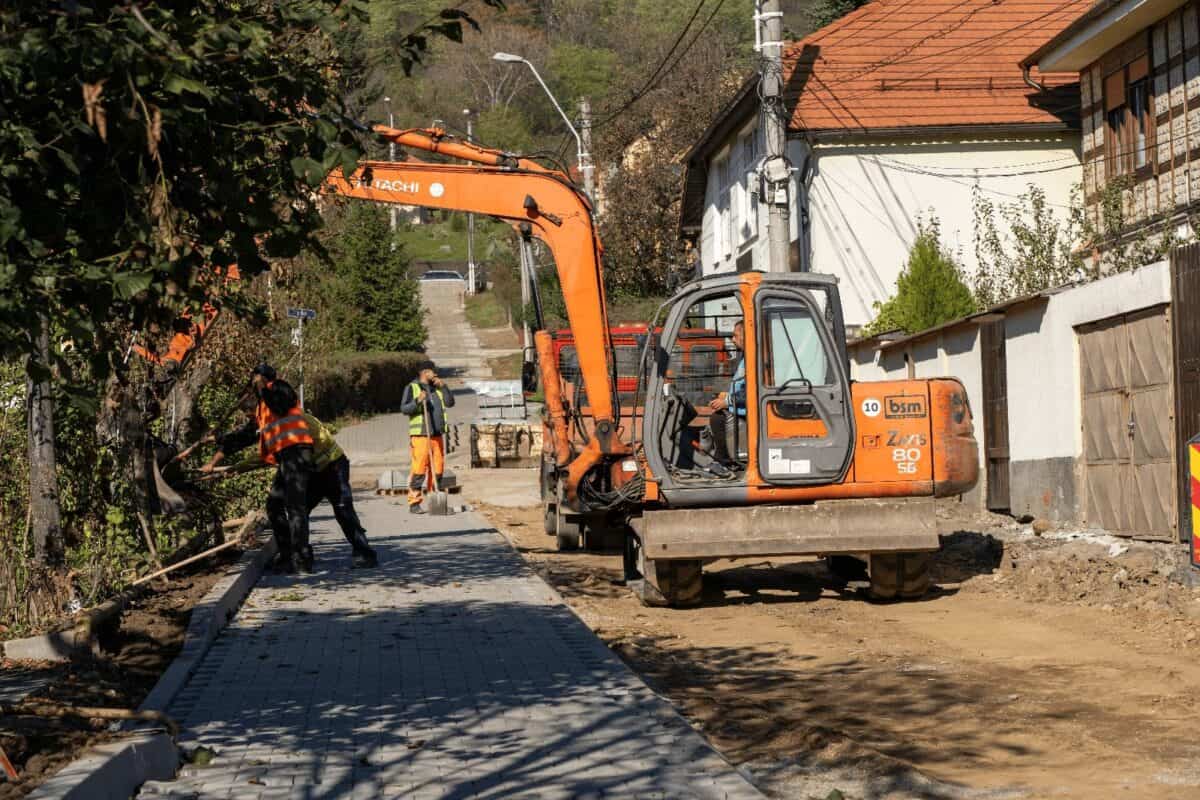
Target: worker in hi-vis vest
point(285, 441)
point(425, 402)
point(330, 480)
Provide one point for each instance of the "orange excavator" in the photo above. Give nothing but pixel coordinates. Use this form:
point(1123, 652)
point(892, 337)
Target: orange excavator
point(743, 436)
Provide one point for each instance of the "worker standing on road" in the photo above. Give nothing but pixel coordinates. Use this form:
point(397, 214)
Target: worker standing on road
point(425, 402)
point(330, 480)
point(284, 440)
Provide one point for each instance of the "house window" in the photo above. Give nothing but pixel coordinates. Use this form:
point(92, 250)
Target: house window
point(749, 147)
point(724, 216)
point(1130, 121)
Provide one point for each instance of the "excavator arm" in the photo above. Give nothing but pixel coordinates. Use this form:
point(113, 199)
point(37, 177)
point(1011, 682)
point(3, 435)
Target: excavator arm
point(558, 213)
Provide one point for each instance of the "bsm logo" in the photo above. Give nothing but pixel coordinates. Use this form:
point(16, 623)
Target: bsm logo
point(904, 407)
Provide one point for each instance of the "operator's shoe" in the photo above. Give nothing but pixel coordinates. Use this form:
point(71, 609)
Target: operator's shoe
point(284, 564)
point(305, 560)
point(415, 508)
point(365, 559)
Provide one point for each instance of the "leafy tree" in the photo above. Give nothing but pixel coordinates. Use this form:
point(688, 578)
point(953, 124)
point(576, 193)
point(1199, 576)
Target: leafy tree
point(929, 291)
point(380, 304)
point(505, 128)
point(823, 12)
point(1025, 246)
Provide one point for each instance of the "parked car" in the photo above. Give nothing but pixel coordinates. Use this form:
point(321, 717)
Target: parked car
point(443, 275)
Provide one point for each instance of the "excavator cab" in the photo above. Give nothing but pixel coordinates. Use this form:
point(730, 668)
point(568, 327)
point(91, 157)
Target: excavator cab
point(747, 386)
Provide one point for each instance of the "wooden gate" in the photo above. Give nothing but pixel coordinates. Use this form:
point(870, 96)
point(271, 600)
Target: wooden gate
point(995, 414)
point(1185, 304)
point(1128, 424)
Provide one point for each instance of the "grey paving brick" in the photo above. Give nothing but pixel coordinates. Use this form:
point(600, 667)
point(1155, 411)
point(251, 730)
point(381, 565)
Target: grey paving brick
point(448, 672)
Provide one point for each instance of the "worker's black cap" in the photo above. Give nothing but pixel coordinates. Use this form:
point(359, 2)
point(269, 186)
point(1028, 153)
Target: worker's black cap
point(426, 365)
point(266, 370)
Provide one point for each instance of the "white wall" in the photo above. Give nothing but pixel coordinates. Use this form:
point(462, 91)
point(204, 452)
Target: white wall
point(1044, 394)
point(1042, 354)
point(748, 217)
point(867, 198)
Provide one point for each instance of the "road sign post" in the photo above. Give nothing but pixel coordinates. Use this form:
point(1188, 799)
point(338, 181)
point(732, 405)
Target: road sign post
point(301, 315)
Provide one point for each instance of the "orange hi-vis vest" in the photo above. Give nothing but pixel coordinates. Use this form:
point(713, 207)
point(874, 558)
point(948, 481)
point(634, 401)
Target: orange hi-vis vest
point(276, 433)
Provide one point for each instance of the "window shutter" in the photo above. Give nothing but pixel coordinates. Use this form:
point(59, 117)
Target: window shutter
point(1114, 90)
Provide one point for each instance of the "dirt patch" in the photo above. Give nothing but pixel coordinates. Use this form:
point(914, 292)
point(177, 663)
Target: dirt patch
point(131, 660)
point(1041, 666)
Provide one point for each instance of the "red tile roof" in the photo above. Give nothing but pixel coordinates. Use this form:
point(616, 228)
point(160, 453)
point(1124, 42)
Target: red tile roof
point(927, 63)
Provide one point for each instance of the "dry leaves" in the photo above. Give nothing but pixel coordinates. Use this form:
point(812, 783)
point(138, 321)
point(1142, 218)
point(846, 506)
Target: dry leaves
point(96, 116)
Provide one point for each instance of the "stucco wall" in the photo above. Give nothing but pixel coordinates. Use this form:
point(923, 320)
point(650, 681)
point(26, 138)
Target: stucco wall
point(1044, 386)
point(1044, 391)
point(868, 198)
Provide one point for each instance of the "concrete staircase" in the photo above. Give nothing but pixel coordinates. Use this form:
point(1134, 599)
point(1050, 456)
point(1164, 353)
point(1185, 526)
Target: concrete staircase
point(451, 342)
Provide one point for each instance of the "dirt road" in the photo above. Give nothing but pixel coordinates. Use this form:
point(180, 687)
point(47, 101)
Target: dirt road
point(1038, 669)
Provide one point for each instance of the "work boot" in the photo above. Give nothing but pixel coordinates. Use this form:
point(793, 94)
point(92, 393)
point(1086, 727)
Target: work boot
point(415, 508)
point(284, 564)
point(365, 559)
point(306, 560)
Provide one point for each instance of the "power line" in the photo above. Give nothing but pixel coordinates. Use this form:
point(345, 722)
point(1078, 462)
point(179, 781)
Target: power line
point(650, 86)
point(663, 62)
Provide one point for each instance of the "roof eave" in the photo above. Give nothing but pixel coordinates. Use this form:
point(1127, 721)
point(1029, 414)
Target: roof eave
point(1103, 27)
point(828, 134)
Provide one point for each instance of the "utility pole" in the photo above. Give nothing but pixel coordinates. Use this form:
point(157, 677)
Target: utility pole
point(470, 115)
point(586, 166)
point(776, 174)
point(392, 210)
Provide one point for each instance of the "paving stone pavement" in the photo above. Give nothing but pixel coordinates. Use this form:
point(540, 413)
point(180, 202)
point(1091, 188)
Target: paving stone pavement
point(452, 671)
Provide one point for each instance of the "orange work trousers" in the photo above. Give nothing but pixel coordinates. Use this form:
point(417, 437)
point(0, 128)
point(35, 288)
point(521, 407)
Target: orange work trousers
point(428, 458)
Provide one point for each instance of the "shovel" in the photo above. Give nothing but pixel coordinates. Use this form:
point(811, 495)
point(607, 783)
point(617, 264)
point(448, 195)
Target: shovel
point(437, 502)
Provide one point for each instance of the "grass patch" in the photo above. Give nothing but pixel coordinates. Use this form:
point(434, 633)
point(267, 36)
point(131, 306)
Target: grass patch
point(484, 310)
point(446, 241)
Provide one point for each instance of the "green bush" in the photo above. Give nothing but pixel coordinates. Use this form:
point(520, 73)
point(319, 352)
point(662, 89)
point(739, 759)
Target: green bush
point(363, 383)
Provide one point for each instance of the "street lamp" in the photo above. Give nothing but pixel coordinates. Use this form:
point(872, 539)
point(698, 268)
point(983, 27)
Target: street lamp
point(392, 210)
point(581, 158)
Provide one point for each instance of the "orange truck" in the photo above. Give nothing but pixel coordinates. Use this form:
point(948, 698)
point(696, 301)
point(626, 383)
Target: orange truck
point(728, 427)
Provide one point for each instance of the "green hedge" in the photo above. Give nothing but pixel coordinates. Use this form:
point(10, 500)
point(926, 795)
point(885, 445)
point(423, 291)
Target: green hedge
point(364, 383)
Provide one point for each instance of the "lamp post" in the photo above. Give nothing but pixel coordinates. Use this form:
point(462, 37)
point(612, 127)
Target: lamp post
point(582, 158)
point(391, 157)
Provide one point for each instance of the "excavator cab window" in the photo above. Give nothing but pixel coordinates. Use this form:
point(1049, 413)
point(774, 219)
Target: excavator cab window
point(697, 369)
point(749, 388)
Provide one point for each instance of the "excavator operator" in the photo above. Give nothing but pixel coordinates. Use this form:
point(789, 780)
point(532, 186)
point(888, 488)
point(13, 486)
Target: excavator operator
point(284, 440)
point(728, 406)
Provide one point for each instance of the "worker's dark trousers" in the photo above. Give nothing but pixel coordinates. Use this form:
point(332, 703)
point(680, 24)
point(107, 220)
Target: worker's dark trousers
point(287, 502)
point(333, 484)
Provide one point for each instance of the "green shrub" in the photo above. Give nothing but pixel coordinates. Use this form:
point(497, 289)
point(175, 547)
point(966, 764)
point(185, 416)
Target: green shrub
point(361, 383)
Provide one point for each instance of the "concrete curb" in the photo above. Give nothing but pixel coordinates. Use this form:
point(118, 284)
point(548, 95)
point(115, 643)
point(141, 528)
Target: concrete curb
point(116, 770)
point(58, 646)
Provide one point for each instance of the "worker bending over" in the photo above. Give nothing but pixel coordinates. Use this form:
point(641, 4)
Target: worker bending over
point(425, 402)
point(285, 441)
point(330, 480)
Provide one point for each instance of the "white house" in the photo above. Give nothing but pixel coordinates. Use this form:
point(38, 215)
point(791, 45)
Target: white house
point(898, 111)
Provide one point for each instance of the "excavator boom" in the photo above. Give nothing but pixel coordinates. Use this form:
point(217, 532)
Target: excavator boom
point(559, 215)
